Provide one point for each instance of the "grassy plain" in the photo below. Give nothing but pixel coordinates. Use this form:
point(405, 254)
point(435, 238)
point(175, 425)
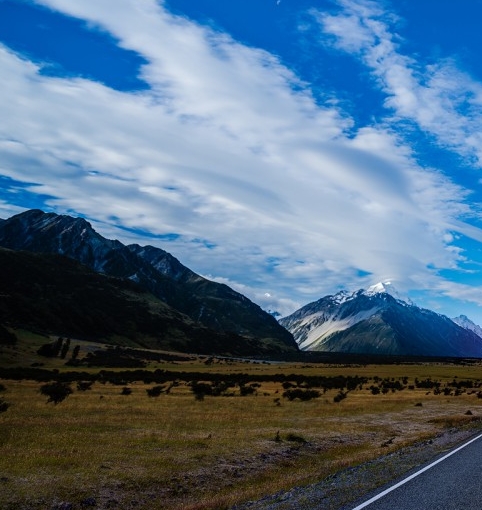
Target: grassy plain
point(180, 452)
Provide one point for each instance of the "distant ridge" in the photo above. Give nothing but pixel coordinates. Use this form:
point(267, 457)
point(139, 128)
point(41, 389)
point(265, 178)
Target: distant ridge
point(214, 305)
point(373, 321)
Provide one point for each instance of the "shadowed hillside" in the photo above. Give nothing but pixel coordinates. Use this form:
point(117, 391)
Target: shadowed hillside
point(55, 294)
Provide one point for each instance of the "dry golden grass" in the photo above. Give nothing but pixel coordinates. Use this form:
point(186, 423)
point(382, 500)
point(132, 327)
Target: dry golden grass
point(177, 452)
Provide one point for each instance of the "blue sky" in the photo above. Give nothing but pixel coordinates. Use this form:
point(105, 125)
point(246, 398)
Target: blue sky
point(288, 148)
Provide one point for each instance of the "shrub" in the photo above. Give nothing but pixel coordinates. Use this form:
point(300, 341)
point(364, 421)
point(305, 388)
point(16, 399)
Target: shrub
point(3, 405)
point(84, 385)
point(155, 391)
point(295, 438)
point(339, 396)
point(126, 391)
point(246, 390)
point(301, 394)
point(57, 391)
point(200, 389)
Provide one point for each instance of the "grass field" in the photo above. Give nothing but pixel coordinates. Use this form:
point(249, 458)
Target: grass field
point(179, 451)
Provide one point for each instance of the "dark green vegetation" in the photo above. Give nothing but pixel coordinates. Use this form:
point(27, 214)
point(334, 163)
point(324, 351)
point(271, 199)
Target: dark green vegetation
point(51, 293)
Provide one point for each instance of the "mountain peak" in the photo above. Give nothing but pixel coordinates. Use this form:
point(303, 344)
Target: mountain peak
point(464, 322)
point(387, 287)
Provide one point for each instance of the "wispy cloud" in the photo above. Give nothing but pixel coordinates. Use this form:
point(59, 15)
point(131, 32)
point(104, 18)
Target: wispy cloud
point(264, 187)
point(440, 98)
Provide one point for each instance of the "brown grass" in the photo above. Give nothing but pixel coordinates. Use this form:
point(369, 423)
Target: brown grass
point(177, 452)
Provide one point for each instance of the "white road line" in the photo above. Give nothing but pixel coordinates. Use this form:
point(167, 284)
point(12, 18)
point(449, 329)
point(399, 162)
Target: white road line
point(411, 477)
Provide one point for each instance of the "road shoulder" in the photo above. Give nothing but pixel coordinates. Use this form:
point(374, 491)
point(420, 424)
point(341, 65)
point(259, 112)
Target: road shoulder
point(344, 489)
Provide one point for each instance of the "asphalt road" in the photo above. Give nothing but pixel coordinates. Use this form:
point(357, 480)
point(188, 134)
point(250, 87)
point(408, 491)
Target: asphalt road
point(452, 482)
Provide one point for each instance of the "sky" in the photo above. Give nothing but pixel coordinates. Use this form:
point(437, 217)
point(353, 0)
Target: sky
point(288, 148)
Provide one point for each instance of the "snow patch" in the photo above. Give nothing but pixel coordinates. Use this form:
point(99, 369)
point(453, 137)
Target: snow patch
point(331, 325)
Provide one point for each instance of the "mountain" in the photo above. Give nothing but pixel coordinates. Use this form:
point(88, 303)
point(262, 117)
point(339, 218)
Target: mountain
point(53, 294)
point(464, 322)
point(215, 306)
point(373, 321)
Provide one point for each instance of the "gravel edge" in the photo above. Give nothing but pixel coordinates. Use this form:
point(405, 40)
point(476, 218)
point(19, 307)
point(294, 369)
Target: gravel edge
point(341, 490)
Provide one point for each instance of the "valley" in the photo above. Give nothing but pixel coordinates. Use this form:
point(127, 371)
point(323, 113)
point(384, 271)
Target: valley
point(128, 381)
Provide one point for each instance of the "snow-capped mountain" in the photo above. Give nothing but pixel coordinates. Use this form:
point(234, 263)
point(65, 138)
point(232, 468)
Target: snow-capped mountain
point(214, 305)
point(464, 322)
point(373, 321)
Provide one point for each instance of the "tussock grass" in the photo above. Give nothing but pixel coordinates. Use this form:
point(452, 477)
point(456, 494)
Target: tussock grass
point(174, 451)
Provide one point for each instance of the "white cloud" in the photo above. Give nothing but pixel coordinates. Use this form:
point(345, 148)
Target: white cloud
point(229, 150)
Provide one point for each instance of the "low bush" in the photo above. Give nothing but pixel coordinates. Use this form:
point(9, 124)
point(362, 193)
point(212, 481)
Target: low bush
point(298, 393)
point(155, 391)
point(57, 391)
point(341, 395)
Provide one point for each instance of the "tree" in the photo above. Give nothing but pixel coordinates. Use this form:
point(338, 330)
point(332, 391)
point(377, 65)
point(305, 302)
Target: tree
point(75, 351)
point(65, 348)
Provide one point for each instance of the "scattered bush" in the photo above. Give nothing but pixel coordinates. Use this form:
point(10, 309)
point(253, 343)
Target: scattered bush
point(427, 383)
point(126, 391)
point(341, 395)
point(57, 391)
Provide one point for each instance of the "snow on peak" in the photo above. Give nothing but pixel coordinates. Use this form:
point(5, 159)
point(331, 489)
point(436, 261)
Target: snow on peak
point(388, 288)
point(381, 287)
point(464, 322)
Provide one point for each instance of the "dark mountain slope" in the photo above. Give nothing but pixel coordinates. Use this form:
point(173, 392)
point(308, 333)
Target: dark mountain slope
point(214, 305)
point(55, 294)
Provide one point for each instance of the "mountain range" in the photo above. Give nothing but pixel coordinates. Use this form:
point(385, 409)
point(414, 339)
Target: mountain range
point(374, 321)
point(58, 275)
point(193, 300)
